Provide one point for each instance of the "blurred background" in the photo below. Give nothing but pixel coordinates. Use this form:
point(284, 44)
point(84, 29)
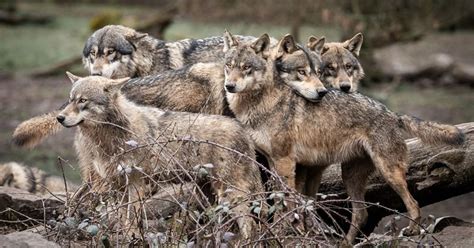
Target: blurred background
point(418, 55)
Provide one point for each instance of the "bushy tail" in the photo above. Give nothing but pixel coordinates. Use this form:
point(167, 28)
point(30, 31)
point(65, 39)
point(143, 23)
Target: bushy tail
point(32, 132)
point(432, 132)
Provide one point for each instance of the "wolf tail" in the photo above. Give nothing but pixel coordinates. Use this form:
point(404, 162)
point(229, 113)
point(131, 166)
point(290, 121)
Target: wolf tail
point(32, 132)
point(432, 132)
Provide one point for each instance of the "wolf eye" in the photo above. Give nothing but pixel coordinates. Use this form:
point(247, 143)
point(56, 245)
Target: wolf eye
point(109, 52)
point(92, 53)
point(348, 66)
point(82, 100)
point(246, 67)
point(228, 64)
point(319, 72)
point(330, 67)
point(302, 72)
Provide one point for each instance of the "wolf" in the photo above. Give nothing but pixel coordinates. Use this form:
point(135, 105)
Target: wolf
point(165, 142)
point(32, 179)
point(196, 88)
point(295, 67)
point(351, 129)
point(115, 51)
point(340, 68)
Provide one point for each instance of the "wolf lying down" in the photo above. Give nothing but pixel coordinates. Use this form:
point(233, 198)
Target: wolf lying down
point(32, 179)
point(106, 120)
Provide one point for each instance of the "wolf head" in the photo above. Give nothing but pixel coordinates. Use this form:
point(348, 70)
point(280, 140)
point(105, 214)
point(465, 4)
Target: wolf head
point(341, 68)
point(298, 68)
point(90, 101)
point(249, 66)
point(245, 63)
point(109, 52)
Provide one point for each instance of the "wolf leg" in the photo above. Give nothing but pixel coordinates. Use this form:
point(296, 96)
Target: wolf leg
point(286, 168)
point(394, 175)
point(354, 175)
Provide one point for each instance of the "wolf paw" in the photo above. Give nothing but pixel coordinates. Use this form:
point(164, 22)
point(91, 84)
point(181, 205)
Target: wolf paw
point(410, 231)
point(344, 244)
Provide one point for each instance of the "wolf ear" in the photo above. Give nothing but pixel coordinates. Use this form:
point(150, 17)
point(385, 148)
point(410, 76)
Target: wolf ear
point(229, 41)
point(315, 44)
point(354, 44)
point(261, 45)
point(287, 45)
point(87, 47)
point(127, 45)
point(72, 77)
point(135, 36)
point(115, 84)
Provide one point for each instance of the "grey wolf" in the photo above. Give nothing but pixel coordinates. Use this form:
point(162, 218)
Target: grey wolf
point(116, 51)
point(167, 141)
point(295, 66)
point(194, 88)
point(351, 129)
point(341, 68)
point(31, 179)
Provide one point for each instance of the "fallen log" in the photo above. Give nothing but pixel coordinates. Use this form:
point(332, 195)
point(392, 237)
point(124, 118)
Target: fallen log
point(435, 173)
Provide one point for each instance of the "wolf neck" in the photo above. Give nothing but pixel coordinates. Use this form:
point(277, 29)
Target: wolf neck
point(250, 106)
point(151, 57)
point(114, 130)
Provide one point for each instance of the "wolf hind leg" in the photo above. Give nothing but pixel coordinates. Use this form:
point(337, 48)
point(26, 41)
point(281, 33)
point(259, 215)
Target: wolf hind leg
point(354, 175)
point(393, 170)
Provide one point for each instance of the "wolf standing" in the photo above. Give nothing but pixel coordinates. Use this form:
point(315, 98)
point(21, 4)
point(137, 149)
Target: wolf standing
point(350, 129)
point(107, 120)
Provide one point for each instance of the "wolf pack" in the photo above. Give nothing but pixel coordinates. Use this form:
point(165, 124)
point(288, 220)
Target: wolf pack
point(228, 98)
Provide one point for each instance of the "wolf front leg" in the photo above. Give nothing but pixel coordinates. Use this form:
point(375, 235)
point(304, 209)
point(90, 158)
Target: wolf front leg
point(134, 191)
point(286, 168)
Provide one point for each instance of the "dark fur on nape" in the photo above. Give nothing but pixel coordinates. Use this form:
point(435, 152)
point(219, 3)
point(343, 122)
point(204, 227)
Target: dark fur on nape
point(138, 54)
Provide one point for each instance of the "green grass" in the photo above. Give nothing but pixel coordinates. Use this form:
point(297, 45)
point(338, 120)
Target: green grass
point(30, 47)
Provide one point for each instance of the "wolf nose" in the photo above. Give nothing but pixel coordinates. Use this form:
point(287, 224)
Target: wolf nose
point(97, 74)
point(230, 88)
point(322, 93)
point(345, 88)
point(60, 118)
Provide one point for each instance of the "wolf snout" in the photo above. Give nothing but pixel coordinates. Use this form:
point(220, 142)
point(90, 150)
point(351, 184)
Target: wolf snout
point(346, 88)
point(230, 88)
point(97, 74)
point(322, 93)
point(60, 118)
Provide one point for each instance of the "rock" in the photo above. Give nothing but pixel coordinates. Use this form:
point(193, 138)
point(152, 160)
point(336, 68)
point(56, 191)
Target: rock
point(439, 57)
point(23, 203)
point(25, 240)
point(460, 234)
